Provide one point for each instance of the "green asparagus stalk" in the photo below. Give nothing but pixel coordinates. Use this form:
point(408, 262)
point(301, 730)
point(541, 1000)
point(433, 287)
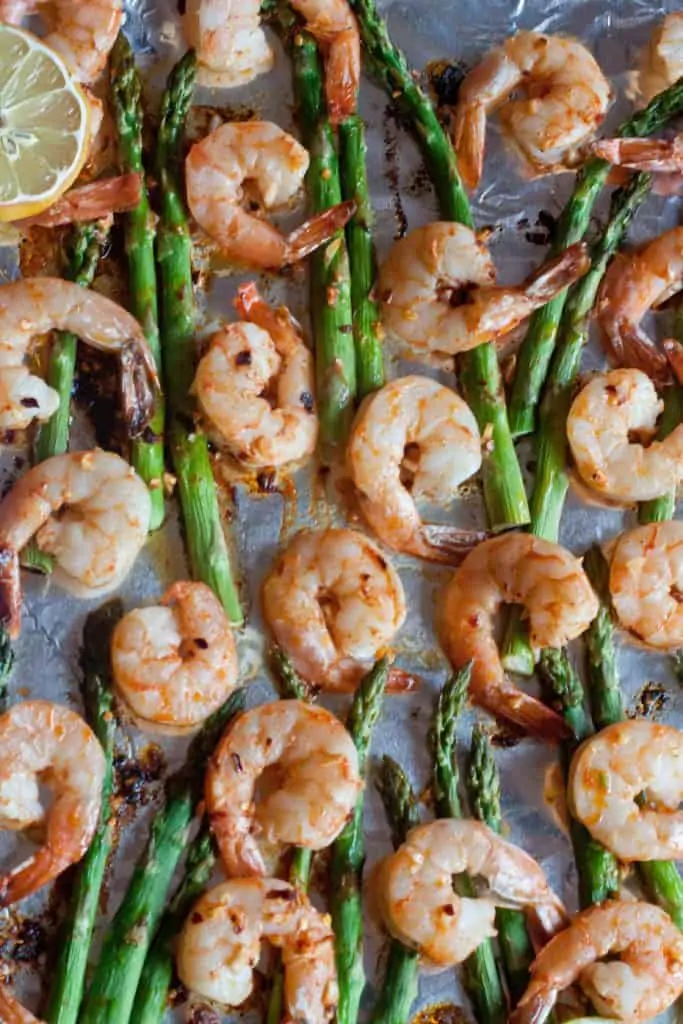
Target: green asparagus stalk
point(480, 971)
point(7, 657)
point(289, 683)
point(112, 990)
point(348, 854)
point(535, 354)
point(331, 308)
point(68, 983)
point(483, 786)
point(598, 869)
point(207, 548)
point(661, 879)
point(366, 316)
point(399, 989)
point(126, 89)
point(504, 494)
point(155, 981)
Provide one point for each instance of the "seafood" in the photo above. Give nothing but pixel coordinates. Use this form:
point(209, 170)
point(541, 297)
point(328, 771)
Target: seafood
point(231, 46)
point(643, 977)
point(94, 201)
point(313, 767)
point(414, 427)
point(333, 24)
point(89, 510)
point(439, 296)
point(633, 284)
point(608, 423)
point(515, 568)
point(564, 98)
point(247, 160)
point(608, 774)
point(47, 744)
point(420, 907)
point(35, 305)
point(662, 60)
point(256, 385)
point(654, 155)
point(220, 945)
point(176, 662)
point(333, 602)
point(646, 583)
point(82, 33)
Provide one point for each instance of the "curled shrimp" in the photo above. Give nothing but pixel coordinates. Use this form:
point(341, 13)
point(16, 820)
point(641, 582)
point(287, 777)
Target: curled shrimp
point(564, 98)
point(643, 977)
point(633, 284)
point(35, 305)
point(662, 60)
point(47, 744)
point(420, 907)
point(89, 510)
point(646, 583)
point(316, 766)
point(220, 944)
point(82, 33)
point(439, 295)
point(95, 201)
point(604, 419)
point(414, 425)
point(244, 363)
point(231, 46)
point(255, 158)
point(333, 602)
point(176, 662)
point(608, 774)
point(515, 568)
point(333, 24)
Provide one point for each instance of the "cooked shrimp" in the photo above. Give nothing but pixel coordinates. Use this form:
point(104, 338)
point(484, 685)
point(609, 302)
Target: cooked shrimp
point(245, 363)
point(419, 906)
point(610, 410)
point(633, 284)
point(220, 945)
point(515, 568)
point(254, 158)
point(662, 61)
point(655, 155)
point(176, 662)
point(95, 201)
point(565, 98)
point(89, 510)
point(35, 305)
point(12, 1012)
point(231, 46)
point(608, 774)
point(646, 583)
point(82, 33)
point(333, 602)
point(313, 767)
point(416, 425)
point(47, 744)
point(439, 295)
point(334, 26)
point(646, 978)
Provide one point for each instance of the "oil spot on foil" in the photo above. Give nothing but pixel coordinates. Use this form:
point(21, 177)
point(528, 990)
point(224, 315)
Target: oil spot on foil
point(441, 1013)
point(649, 702)
point(392, 168)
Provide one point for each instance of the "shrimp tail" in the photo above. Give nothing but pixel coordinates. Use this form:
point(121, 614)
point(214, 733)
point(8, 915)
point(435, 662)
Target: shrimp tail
point(10, 591)
point(469, 141)
point(342, 75)
point(634, 348)
point(526, 712)
point(90, 202)
point(641, 154)
point(555, 275)
point(318, 230)
point(30, 876)
point(534, 1010)
point(139, 388)
point(448, 544)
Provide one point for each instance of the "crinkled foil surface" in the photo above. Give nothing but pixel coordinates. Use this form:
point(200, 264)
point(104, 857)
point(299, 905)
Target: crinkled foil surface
point(516, 210)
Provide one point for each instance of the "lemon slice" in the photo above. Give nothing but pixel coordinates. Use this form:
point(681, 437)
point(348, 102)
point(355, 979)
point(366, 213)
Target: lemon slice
point(44, 125)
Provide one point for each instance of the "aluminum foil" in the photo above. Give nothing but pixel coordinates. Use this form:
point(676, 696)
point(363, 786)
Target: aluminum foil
point(517, 210)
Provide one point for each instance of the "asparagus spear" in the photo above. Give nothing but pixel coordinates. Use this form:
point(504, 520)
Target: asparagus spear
point(504, 494)
point(483, 785)
point(536, 351)
point(399, 990)
point(660, 878)
point(598, 869)
point(126, 89)
point(7, 657)
point(331, 309)
point(480, 971)
point(348, 854)
point(112, 990)
point(68, 983)
point(366, 317)
point(207, 549)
